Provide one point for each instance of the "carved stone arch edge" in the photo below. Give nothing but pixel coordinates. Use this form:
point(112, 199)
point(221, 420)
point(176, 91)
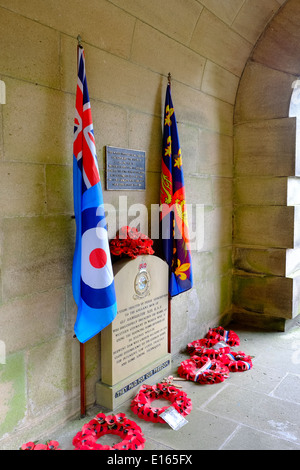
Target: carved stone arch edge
point(266, 205)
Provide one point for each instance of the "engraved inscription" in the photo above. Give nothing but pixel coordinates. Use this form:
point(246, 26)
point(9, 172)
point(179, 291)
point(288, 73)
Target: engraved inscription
point(141, 332)
point(125, 169)
point(142, 379)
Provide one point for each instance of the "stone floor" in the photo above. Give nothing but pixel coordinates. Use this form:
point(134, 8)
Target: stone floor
point(253, 410)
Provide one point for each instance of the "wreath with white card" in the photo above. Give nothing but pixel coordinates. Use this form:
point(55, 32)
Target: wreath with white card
point(141, 405)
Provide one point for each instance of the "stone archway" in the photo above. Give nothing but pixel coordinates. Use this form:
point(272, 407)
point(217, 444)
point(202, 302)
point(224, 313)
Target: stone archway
point(266, 221)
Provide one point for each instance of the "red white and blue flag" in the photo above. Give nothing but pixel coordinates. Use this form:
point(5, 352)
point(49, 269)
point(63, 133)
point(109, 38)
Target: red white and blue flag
point(92, 278)
point(175, 232)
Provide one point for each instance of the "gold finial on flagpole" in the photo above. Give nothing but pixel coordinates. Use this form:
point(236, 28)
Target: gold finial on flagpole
point(79, 40)
point(169, 78)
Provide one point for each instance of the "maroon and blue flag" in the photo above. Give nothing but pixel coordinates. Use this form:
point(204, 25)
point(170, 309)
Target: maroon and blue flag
point(174, 223)
point(92, 277)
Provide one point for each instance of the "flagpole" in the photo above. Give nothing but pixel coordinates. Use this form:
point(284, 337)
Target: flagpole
point(169, 324)
point(82, 380)
point(169, 298)
point(82, 345)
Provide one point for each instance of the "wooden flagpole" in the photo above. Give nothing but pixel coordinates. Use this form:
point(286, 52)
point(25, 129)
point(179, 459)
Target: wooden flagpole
point(82, 381)
point(169, 324)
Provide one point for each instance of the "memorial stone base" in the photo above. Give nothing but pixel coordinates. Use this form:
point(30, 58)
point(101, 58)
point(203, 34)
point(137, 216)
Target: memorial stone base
point(112, 396)
point(134, 347)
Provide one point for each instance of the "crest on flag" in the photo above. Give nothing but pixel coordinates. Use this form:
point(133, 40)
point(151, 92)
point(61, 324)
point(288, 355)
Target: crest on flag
point(92, 279)
point(174, 223)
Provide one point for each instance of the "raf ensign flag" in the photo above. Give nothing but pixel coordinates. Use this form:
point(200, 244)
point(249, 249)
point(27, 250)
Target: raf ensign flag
point(92, 279)
point(175, 233)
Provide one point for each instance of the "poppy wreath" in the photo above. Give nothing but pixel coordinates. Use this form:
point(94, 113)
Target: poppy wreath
point(220, 334)
point(128, 430)
point(50, 445)
point(141, 404)
point(130, 242)
point(236, 361)
point(207, 346)
point(203, 370)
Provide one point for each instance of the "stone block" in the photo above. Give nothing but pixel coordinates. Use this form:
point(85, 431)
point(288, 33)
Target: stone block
point(219, 82)
point(59, 184)
point(215, 154)
point(265, 148)
point(21, 319)
point(219, 43)
point(189, 141)
point(177, 21)
point(264, 93)
point(1, 136)
point(260, 261)
point(188, 305)
point(106, 119)
point(37, 254)
point(222, 259)
point(268, 226)
point(42, 133)
point(30, 50)
point(257, 320)
point(145, 133)
point(215, 300)
point(217, 227)
point(255, 190)
point(97, 22)
point(252, 18)
point(184, 65)
point(195, 108)
point(222, 191)
point(203, 266)
point(226, 12)
point(22, 189)
point(279, 45)
point(48, 384)
point(198, 189)
point(268, 295)
point(13, 393)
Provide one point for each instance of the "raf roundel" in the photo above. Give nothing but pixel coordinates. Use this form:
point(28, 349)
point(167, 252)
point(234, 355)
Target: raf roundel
point(98, 258)
point(95, 253)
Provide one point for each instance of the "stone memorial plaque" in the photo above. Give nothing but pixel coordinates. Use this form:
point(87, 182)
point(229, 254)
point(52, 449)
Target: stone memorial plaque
point(134, 347)
point(125, 169)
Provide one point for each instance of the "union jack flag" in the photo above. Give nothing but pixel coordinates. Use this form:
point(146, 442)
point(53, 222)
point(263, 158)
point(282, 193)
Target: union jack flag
point(92, 277)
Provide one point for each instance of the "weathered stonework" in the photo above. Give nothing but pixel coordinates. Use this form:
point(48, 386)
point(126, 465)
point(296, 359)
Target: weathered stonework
point(130, 48)
point(266, 211)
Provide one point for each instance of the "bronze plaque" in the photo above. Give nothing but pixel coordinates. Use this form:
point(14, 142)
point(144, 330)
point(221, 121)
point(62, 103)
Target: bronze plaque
point(125, 169)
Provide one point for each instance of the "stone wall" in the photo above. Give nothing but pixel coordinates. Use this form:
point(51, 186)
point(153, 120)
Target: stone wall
point(266, 179)
point(131, 46)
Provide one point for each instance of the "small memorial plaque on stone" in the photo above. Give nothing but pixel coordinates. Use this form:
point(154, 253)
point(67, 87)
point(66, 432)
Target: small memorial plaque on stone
point(134, 347)
point(125, 169)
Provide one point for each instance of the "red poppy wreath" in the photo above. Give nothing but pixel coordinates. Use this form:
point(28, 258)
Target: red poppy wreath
point(130, 242)
point(204, 345)
point(141, 404)
point(203, 370)
point(220, 334)
point(236, 361)
point(128, 430)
